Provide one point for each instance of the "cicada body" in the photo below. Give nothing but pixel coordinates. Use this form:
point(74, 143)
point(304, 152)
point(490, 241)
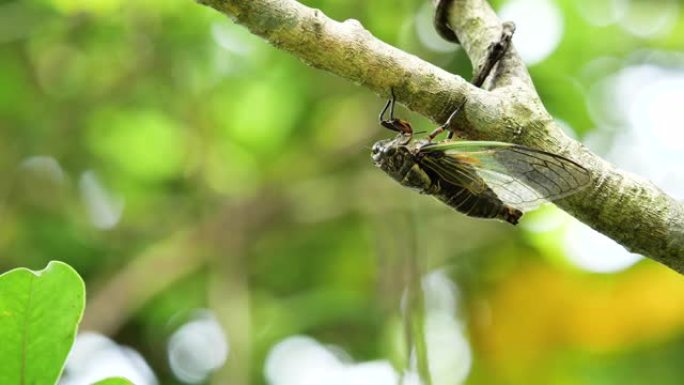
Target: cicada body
point(480, 179)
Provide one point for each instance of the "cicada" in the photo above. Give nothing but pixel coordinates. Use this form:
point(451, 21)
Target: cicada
point(480, 179)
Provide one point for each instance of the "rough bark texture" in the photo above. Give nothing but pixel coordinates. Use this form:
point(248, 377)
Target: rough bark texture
point(626, 208)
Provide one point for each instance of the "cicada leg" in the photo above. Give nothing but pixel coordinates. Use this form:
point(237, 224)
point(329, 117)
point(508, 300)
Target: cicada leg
point(401, 126)
point(495, 52)
point(447, 124)
point(390, 103)
point(436, 132)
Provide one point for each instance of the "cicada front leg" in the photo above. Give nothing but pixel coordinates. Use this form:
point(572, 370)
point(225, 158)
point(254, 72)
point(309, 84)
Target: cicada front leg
point(399, 125)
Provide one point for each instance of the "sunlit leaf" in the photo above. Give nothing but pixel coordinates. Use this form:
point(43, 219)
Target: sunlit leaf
point(114, 381)
point(39, 314)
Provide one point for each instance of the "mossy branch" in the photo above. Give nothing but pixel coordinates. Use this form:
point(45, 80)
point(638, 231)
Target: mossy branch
point(626, 208)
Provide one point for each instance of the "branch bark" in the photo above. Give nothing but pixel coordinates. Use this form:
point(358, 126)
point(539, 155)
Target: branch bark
point(626, 208)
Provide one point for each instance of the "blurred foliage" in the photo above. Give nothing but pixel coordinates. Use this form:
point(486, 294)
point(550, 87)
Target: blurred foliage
point(179, 163)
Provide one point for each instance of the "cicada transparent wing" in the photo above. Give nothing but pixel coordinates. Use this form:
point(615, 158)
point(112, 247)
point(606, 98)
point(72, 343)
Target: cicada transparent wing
point(520, 176)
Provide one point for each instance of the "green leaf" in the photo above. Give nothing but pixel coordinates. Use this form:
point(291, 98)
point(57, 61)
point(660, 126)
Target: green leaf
point(114, 381)
point(39, 315)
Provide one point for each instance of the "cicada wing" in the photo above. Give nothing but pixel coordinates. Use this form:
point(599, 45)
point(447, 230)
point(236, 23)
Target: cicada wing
point(520, 176)
point(513, 191)
point(462, 188)
point(458, 173)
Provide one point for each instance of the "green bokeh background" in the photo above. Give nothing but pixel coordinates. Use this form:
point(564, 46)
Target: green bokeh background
point(233, 177)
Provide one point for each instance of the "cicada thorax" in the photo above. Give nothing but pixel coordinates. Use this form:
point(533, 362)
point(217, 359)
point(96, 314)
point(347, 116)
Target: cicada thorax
point(398, 158)
point(413, 176)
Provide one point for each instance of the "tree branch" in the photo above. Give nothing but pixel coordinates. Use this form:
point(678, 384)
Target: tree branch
point(350, 51)
point(630, 210)
point(624, 207)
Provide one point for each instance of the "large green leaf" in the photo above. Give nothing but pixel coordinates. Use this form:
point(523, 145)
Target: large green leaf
point(39, 315)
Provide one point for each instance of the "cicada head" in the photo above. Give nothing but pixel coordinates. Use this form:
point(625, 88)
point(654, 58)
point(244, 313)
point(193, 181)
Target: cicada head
point(394, 156)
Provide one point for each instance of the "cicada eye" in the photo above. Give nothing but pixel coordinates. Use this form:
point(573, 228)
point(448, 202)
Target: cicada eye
point(376, 149)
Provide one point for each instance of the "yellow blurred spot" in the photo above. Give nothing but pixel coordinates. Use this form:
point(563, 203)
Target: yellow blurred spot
point(539, 310)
